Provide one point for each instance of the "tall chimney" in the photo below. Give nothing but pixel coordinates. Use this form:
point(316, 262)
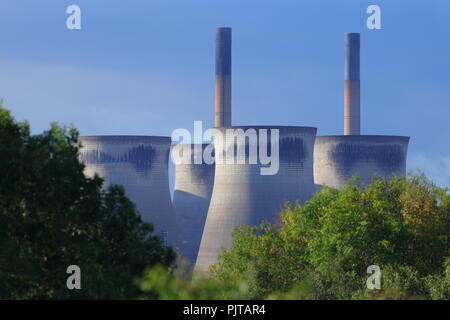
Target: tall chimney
point(222, 116)
point(351, 84)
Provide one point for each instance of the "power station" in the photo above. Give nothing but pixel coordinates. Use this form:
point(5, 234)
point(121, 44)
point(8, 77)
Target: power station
point(211, 199)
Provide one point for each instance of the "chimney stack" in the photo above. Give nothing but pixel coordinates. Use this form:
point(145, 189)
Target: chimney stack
point(222, 116)
point(351, 84)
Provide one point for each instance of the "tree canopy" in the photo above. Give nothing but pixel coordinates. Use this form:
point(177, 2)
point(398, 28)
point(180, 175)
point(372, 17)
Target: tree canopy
point(52, 216)
point(322, 249)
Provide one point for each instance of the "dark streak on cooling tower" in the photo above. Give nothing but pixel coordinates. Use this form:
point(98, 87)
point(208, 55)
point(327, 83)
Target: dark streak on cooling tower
point(142, 157)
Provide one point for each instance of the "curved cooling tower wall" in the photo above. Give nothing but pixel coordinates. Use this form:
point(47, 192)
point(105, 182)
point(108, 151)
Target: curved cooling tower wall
point(191, 197)
point(140, 164)
point(338, 158)
point(242, 196)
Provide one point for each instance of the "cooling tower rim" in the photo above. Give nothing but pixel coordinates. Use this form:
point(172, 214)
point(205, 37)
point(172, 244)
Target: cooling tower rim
point(352, 33)
point(268, 127)
point(127, 138)
point(191, 144)
point(363, 138)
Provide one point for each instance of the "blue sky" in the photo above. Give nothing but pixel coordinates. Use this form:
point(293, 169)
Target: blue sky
point(147, 67)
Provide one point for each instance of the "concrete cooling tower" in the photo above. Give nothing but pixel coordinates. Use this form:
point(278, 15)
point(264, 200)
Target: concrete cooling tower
point(191, 197)
point(140, 164)
point(194, 181)
point(243, 196)
point(338, 158)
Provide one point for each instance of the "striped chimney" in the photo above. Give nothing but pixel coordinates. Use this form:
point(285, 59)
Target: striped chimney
point(351, 84)
point(222, 116)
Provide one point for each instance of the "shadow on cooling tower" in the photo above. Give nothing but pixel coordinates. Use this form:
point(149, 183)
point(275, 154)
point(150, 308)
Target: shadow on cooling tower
point(192, 194)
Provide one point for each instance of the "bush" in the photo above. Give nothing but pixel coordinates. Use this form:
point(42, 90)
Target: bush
point(175, 284)
point(321, 249)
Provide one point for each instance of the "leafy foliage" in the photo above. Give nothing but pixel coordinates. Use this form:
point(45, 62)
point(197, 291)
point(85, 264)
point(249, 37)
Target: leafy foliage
point(178, 284)
point(321, 249)
point(52, 216)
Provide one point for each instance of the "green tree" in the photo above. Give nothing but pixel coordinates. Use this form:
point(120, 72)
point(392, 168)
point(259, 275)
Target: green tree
point(177, 284)
point(321, 249)
point(52, 216)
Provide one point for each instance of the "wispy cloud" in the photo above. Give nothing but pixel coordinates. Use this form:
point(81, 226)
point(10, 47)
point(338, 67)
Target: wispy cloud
point(436, 168)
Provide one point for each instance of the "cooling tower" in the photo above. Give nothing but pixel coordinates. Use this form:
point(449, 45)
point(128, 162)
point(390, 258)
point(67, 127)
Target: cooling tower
point(191, 197)
point(140, 164)
point(338, 158)
point(243, 196)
